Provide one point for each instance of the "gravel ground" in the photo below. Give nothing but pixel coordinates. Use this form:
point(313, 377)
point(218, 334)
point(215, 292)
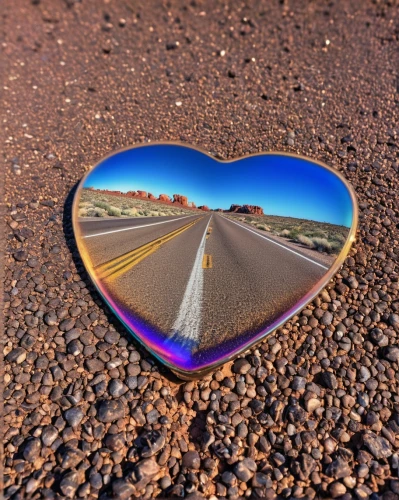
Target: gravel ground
point(314, 411)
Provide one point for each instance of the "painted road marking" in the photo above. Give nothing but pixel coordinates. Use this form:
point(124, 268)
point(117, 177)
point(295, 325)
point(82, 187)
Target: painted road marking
point(131, 217)
point(188, 321)
point(278, 244)
point(207, 261)
point(120, 265)
point(135, 227)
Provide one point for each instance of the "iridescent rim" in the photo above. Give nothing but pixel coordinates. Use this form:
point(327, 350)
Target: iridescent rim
point(149, 340)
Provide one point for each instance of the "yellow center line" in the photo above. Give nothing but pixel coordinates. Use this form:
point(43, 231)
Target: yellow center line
point(207, 261)
point(116, 267)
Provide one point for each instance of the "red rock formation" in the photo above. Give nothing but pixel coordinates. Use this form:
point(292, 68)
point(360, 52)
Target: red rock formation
point(164, 197)
point(107, 191)
point(178, 199)
point(246, 209)
point(252, 209)
point(182, 200)
point(219, 210)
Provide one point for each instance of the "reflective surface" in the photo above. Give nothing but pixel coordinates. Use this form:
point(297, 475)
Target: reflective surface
point(200, 258)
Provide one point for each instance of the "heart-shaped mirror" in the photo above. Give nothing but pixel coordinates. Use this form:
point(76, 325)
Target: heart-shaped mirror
point(201, 258)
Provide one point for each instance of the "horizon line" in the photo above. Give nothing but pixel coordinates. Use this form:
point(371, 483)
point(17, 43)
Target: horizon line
point(216, 209)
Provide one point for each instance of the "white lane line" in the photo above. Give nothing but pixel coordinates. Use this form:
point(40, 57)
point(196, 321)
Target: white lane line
point(134, 227)
point(188, 321)
point(278, 244)
point(103, 219)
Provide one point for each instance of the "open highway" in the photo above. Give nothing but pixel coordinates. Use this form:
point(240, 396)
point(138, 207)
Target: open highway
point(107, 238)
point(201, 278)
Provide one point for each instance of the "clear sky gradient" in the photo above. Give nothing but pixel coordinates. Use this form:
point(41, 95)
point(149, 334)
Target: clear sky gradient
point(281, 185)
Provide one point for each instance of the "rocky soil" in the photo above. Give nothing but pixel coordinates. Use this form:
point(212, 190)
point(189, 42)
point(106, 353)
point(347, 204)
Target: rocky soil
point(311, 413)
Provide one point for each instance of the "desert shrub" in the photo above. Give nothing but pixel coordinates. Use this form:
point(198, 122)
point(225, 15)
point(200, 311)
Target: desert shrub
point(305, 240)
point(294, 233)
point(131, 212)
point(315, 234)
point(114, 211)
point(96, 212)
point(285, 233)
point(322, 245)
point(340, 238)
point(336, 246)
point(85, 204)
point(82, 212)
point(102, 204)
point(263, 227)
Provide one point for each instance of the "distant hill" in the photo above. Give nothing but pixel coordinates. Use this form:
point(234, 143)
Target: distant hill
point(179, 199)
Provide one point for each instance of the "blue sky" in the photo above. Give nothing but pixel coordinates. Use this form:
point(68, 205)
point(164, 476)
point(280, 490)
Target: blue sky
point(281, 185)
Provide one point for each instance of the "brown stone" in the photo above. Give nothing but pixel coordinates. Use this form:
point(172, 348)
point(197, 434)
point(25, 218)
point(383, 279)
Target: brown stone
point(182, 200)
point(164, 197)
point(246, 209)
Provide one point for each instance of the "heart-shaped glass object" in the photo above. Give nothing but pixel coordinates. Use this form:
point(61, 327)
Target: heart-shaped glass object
point(201, 258)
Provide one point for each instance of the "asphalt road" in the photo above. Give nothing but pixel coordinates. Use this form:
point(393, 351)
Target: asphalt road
point(91, 226)
point(201, 278)
point(108, 238)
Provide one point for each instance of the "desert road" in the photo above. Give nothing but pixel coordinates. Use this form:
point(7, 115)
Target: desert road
point(199, 277)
